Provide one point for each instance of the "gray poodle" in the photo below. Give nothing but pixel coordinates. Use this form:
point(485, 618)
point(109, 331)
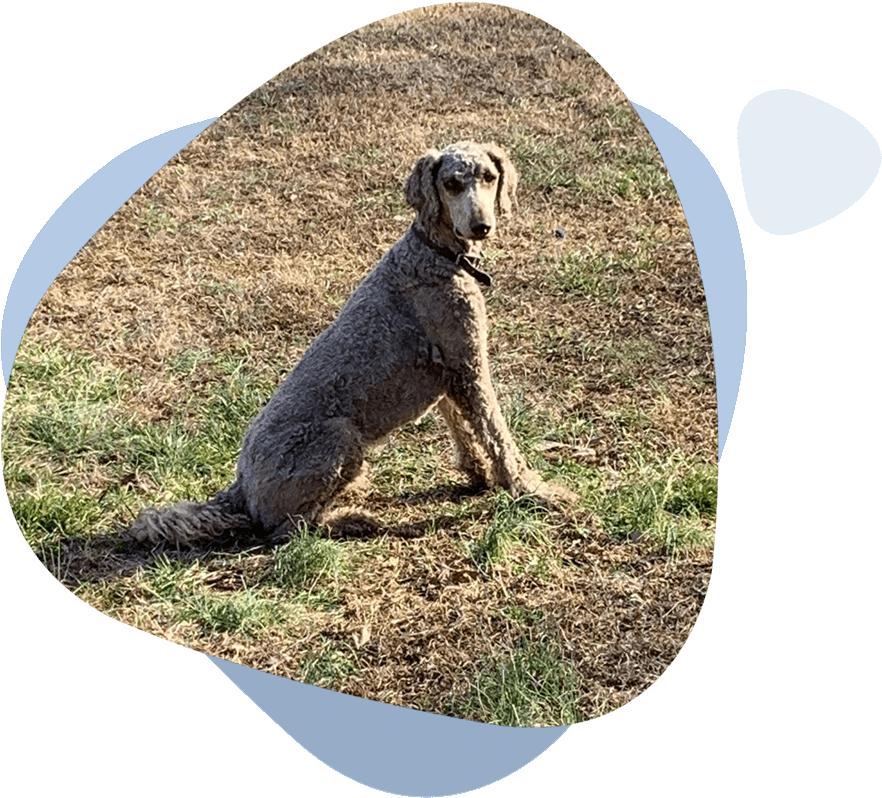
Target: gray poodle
point(412, 336)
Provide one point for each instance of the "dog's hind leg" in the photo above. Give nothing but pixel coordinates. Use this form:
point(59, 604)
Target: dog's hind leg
point(359, 485)
point(333, 462)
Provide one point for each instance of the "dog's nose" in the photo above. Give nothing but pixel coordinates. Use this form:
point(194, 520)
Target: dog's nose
point(480, 230)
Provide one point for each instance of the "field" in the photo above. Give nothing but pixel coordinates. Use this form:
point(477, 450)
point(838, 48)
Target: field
point(146, 359)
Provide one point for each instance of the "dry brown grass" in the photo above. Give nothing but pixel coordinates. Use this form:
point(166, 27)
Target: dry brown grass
point(245, 245)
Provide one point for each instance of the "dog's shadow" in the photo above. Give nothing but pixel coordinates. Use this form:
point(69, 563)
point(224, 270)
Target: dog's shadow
point(452, 493)
point(111, 555)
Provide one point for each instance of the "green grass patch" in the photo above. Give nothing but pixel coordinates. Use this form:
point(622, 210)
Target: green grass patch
point(611, 159)
point(46, 514)
point(549, 163)
point(185, 362)
point(634, 173)
point(70, 442)
point(242, 612)
point(224, 288)
point(693, 494)
point(180, 586)
point(170, 579)
point(328, 666)
point(308, 561)
point(644, 254)
point(531, 684)
point(381, 202)
point(261, 176)
point(674, 513)
point(285, 124)
point(568, 88)
point(614, 121)
point(155, 219)
point(408, 461)
point(584, 272)
point(364, 159)
point(515, 522)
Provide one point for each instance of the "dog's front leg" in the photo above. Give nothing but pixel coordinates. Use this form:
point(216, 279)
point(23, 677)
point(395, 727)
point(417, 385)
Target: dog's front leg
point(477, 409)
point(471, 457)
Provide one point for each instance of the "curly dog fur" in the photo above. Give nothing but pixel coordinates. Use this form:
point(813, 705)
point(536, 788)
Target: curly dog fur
point(412, 336)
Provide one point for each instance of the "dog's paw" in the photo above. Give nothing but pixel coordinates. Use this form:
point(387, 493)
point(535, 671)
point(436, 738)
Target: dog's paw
point(359, 486)
point(351, 523)
point(548, 493)
point(555, 495)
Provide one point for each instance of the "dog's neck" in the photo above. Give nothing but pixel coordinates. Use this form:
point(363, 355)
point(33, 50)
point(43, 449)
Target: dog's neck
point(465, 254)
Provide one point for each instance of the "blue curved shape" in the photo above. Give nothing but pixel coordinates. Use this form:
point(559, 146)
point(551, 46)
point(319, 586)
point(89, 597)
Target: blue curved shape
point(502, 787)
point(7, 276)
point(80, 216)
point(718, 248)
point(803, 161)
point(391, 748)
point(727, 184)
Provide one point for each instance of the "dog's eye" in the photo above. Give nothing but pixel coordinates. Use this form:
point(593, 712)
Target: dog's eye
point(489, 177)
point(453, 185)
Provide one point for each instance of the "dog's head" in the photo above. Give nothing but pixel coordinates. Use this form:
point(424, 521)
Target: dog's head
point(465, 187)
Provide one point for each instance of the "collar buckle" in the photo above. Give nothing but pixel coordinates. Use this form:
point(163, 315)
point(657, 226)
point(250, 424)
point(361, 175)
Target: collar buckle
point(468, 263)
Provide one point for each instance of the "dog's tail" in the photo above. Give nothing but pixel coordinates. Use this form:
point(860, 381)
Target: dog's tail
point(188, 522)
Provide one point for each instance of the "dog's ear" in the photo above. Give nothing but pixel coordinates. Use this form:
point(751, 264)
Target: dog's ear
point(506, 192)
point(420, 190)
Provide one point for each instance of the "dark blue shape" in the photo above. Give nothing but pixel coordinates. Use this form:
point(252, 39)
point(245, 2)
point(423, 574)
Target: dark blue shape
point(502, 787)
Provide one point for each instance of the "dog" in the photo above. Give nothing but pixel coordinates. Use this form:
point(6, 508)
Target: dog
point(412, 336)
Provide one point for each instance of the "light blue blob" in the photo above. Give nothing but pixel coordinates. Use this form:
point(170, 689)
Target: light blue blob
point(82, 215)
point(802, 161)
point(391, 748)
point(717, 244)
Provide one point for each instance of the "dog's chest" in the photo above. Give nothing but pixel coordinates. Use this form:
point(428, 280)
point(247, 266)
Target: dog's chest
point(456, 319)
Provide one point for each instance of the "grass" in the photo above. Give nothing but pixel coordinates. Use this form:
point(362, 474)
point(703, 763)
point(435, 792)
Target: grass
point(514, 522)
point(530, 684)
point(548, 163)
point(46, 513)
point(147, 358)
point(329, 665)
point(155, 219)
point(611, 160)
point(632, 174)
point(243, 612)
point(673, 512)
point(308, 560)
point(74, 447)
point(168, 579)
point(588, 273)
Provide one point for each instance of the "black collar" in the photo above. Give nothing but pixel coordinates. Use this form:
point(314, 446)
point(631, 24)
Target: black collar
point(468, 262)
